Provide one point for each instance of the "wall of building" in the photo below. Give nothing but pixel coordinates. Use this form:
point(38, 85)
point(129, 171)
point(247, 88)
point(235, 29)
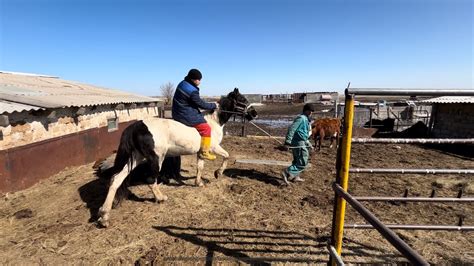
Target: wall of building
point(453, 120)
point(23, 166)
point(253, 98)
point(313, 97)
point(32, 126)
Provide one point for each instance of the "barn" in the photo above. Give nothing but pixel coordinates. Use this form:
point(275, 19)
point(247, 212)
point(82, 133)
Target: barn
point(47, 124)
point(452, 117)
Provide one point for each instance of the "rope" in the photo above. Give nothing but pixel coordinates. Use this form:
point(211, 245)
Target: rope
point(289, 147)
point(250, 122)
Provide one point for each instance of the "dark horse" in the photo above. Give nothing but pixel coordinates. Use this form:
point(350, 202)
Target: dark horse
point(154, 139)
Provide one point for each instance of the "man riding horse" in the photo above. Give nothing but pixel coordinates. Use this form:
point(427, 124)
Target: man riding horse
point(186, 104)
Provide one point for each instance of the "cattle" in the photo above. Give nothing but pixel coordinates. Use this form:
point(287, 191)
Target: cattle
point(326, 127)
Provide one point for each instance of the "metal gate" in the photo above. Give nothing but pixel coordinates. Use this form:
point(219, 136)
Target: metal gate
point(343, 170)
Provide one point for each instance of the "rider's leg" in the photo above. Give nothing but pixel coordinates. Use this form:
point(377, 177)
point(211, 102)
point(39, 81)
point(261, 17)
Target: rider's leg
point(205, 131)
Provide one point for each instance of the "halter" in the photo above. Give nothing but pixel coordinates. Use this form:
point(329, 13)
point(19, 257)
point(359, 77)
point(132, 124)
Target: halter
point(240, 108)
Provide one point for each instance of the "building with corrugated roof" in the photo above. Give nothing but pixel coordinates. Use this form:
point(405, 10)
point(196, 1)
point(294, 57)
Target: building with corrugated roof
point(47, 123)
point(452, 116)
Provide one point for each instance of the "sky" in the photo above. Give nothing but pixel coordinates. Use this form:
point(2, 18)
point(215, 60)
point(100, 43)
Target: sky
point(259, 46)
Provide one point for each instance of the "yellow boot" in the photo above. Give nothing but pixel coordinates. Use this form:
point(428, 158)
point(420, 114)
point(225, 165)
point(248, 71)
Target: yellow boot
point(205, 152)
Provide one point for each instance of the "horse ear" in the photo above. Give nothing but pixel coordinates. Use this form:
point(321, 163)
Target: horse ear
point(236, 90)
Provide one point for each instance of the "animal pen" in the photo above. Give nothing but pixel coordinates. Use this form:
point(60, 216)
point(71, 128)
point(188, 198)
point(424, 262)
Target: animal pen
point(342, 179)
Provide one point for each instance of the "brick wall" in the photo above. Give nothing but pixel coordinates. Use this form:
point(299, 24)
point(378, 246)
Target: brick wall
point(28, 127)
point(454, 121)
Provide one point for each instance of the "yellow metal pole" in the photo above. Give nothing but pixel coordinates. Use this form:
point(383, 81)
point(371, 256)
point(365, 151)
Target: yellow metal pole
point(343, 174)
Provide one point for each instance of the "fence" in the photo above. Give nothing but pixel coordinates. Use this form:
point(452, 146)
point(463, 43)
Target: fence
point(342, 179)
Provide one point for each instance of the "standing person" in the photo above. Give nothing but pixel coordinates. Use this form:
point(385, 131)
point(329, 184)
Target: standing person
point(186, 104)
point(298, 140)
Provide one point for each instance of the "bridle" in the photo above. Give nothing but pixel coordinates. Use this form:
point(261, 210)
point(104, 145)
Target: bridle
point(240, 108)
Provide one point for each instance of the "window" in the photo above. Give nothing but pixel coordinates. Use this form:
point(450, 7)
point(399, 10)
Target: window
point(112, 124)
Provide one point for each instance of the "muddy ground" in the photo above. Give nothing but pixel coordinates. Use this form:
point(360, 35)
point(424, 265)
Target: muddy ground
point(246, 216)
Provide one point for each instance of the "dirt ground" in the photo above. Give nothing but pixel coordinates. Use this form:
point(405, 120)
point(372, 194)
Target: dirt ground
point(246, 216)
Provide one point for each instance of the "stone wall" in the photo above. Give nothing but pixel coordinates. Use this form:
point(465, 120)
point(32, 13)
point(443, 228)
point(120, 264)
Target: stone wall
point(454, 121)
point(32, 126)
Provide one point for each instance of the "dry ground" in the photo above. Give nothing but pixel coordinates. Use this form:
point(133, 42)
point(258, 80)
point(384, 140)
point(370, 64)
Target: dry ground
point(244, 217)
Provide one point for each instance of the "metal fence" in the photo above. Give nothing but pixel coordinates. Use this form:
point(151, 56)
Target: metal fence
point(342, 179)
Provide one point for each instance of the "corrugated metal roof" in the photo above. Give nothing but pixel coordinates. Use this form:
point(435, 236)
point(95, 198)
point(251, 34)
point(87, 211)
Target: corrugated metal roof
point(10, 107)
point(26, 92)
point(451, 99)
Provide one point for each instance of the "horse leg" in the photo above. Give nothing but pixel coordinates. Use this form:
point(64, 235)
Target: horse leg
point(155, 187)
point(220, 151)
point(200, 167)
point(104, 211)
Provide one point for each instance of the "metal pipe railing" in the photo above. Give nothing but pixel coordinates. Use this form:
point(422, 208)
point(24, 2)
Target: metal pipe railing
point(413, 141)
point(335, 256)
point(343, 176)
point(410, 171)
point(415, 227)
point(388, 234)
point(414, 199)
point(410, 92)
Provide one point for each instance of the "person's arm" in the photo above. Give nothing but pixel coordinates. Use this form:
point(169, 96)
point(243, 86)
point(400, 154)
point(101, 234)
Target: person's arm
point(196, 99)
point(292, 130)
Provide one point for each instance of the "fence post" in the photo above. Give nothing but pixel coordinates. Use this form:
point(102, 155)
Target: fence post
point(343, 174)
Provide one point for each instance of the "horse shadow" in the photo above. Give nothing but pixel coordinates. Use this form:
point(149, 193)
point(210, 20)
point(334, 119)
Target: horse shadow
point(94, 192)
point(253, 174)
point(255, 247)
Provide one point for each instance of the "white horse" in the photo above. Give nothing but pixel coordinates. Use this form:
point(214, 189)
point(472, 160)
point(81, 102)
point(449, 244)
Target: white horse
point(154, 139)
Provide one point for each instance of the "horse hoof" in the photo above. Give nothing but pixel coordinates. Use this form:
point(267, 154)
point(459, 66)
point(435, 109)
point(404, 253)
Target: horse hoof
point(217, 174)
point(199, 184)
point(163, 199)
point(102, 222)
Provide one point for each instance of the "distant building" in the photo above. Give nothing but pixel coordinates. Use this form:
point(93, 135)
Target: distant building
point(452, 117)
point(314, 97)
point(47, 124)
point(253, 98)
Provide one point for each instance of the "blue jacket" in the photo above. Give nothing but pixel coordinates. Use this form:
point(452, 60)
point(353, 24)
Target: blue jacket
point(186, 104)
point(298, 132)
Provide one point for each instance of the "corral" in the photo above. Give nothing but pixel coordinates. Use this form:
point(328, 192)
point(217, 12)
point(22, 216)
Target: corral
point(246, 216)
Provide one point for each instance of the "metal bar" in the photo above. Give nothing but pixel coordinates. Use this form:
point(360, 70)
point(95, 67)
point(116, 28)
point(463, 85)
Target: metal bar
point(410, 171)
point(335, 256)
point(410, 141)
point(415, 227)
point(388, 234)
point(410, 92)
point(414, 199)
point(343, 175)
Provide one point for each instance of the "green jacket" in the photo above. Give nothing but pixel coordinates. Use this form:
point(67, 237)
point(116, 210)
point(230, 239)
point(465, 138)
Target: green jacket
point(298, 131)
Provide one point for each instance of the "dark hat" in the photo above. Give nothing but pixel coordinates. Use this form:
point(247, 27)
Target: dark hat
point(308, 107)
point(194, 74)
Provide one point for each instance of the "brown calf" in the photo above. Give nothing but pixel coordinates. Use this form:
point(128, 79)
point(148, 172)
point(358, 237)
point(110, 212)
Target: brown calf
point(326, 127)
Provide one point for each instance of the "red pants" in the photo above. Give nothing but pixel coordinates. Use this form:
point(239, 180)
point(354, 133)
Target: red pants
point(204, 129)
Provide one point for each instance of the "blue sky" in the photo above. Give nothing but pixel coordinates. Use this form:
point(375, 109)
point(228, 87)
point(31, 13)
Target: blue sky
point(260, 46)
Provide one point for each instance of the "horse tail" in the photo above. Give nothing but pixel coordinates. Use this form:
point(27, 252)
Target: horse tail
point(136, 139)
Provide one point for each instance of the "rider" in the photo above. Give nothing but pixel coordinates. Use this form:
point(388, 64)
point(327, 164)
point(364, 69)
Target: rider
point(186, 104)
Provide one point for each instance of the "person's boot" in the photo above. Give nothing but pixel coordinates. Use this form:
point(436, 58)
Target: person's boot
point(285, 176)
point(205, 152)
point(297, 179)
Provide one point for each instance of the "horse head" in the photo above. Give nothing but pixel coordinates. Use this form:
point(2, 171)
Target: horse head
point(236, 103)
